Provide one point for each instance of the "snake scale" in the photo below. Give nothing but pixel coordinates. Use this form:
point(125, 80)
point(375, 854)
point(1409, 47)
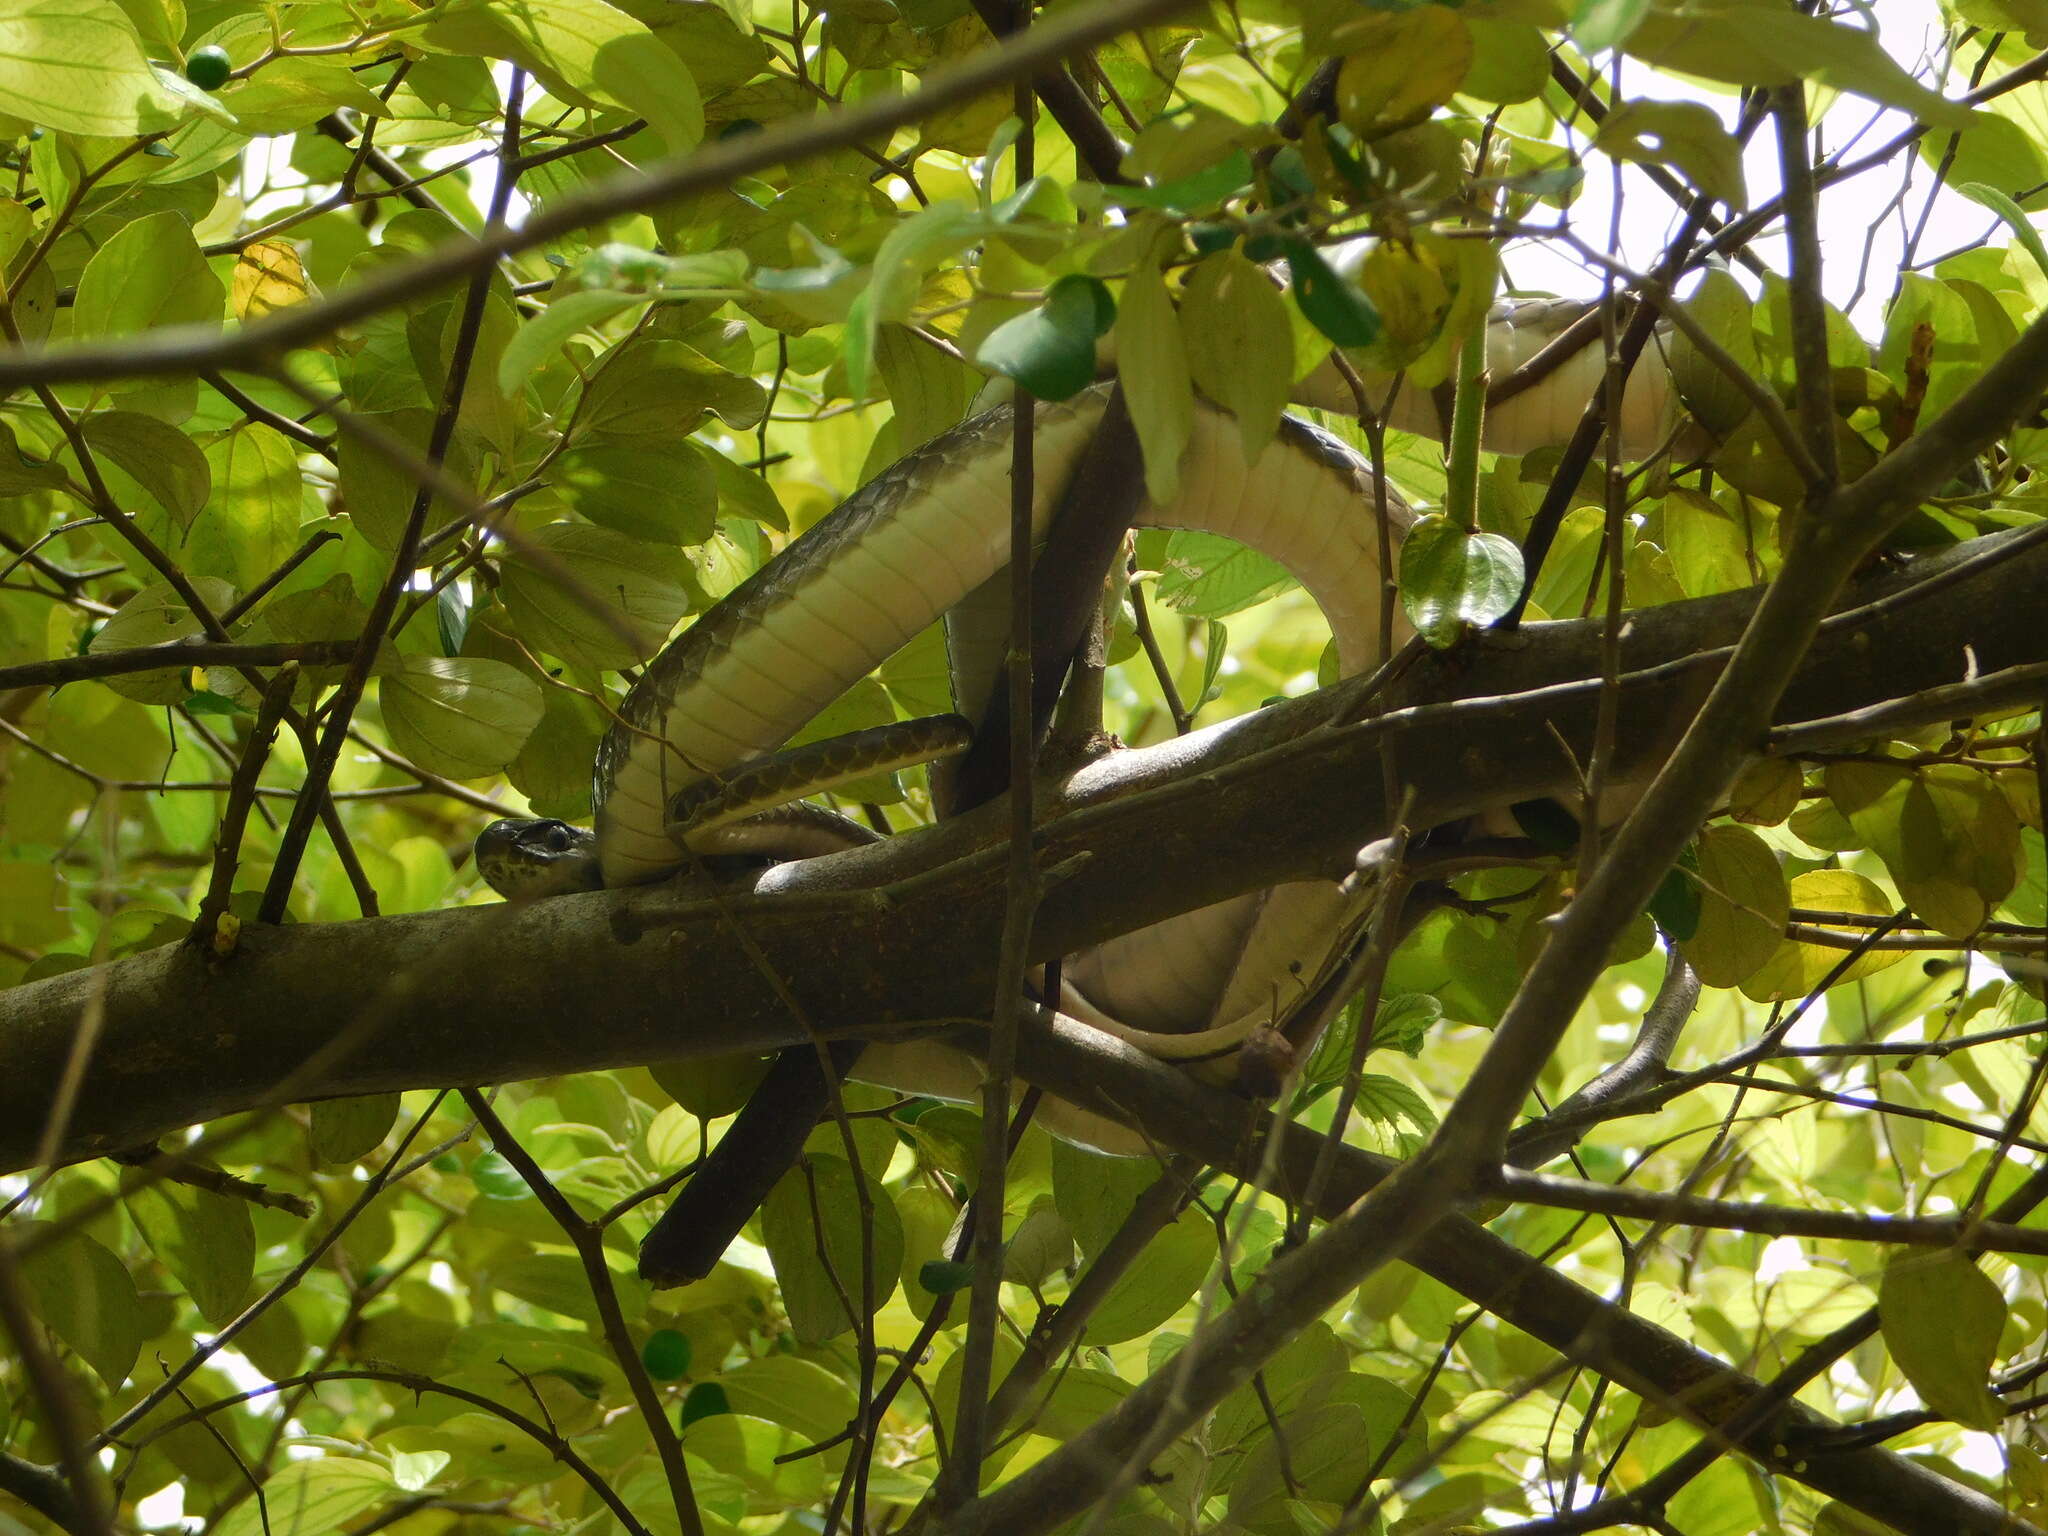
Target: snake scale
point(927, 538)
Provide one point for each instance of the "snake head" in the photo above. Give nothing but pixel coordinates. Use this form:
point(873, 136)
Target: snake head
point(524, 858)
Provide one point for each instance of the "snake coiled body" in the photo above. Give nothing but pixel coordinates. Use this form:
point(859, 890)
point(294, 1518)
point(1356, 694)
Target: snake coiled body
point(931, 533)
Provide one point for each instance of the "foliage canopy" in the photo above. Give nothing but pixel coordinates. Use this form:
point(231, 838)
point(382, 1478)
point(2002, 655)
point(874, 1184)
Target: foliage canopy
point(421, 368)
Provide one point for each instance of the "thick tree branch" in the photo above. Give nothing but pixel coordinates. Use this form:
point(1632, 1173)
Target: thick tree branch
point(906, 930)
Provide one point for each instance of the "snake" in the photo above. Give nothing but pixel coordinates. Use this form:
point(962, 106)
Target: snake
point(689, 764)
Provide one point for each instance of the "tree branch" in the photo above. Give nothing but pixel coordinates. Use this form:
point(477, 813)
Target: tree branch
point(172, 655)
point(907, 930)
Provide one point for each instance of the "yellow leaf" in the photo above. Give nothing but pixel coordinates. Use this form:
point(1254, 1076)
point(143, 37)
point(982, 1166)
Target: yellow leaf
point(1946, 833)
point(268, 276)
point(1743, 905)
point(1766, 792)
point(1401, 68)
point(1796, 969)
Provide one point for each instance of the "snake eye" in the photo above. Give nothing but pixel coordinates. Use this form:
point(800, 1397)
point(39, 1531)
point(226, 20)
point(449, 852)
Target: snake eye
point(556, 837)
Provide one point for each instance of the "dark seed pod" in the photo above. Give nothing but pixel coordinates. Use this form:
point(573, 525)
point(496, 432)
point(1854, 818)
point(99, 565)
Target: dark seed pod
point(1264, 1061)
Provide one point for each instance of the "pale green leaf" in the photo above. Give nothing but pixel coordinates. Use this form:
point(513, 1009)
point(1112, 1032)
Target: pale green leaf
point(811, 1224)
point(1743, 906)
point(1685, 134)
point(1207, 576)
point(149, 274)
point(86, 1297)
point(1159, 1284)
point(77, 66)
point(1153, 359)
point(204, 1239)
point(251, 520)
point(595, 597)
point(158, 457)
point(459, 716)
point(156, 616)
point(342, 1130)
point(666, 493)
point(2008, 210)
point(1240, 351)
point(310, 1498)
point(535, 342)
point(1942, 1317)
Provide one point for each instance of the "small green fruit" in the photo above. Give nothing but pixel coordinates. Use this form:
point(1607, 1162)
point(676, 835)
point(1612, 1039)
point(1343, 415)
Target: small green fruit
point(208, 67)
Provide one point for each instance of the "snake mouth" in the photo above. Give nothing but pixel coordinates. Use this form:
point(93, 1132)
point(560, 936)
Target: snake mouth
point(523, 858)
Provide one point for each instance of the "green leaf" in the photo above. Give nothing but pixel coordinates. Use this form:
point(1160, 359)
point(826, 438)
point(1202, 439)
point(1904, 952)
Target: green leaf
point(710, 1086)
point(911, 251)
point(534, 344)
point(1945, 832)
point(1598, 25)
point(2008, 210)
point(1159, 1284)
point(811, 1226)
point(1723, 311)
point(1676, 906)
point(1050, 350)
point(1239, 344)
point(552, 586)
point(1743, 906)
point(149, 274)
point(77, 66)
point(1684, 134)
point(1796, 969)
point(1402, 65)
point(1039, 1248)
point(158, 457)
point(251, 520)
point(412, 1471)
point(661, 389)
point(1196, 192)
point(156, 616)
point(1942, 1317)
point(1313, 1454)
point(1152, 357)
point(287, 95)
point(204, 1239)
point(942, 1277)
point(666, 493)
point(1207, 576)
point(21, 475)
point(801, 1395)
point(1766, 792)
point(459, 716)
point(1451, 578)
point(1510, 61)
point(1390, 1102)
point(1333, 306)
point(1745, 43)
point(931, 391)
point(588, 53)
point(86, 1297)
point(310, 1498)
point(343, 1130)
point(705, 1400)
